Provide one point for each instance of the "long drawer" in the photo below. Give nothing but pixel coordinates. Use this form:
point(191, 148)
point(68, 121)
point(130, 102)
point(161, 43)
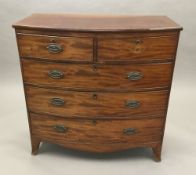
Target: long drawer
point(97, 104)
point(97, 77)
point(55, 48)
point(100, 131)
point(137, 48)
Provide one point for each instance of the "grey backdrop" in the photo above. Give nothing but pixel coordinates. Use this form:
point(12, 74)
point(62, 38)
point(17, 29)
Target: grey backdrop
point(179, 153)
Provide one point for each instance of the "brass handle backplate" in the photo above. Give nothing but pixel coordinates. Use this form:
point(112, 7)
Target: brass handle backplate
point(60, 128)
point(57, 102)
point(54, 48)
point(134, 75)
point(56, 74)
point(132, 104)
point(129, 131)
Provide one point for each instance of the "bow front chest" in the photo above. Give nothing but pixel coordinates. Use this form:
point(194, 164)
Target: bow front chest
point(97, 83)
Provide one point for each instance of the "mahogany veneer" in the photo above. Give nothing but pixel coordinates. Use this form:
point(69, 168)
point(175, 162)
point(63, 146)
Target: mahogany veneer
point(97, 83)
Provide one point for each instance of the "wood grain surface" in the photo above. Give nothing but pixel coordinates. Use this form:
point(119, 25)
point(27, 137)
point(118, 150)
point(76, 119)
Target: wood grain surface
point(97, 23)
point(74, 48)
point(106, 105)
point(137, 48)
point(89, 131)
point(97, 76)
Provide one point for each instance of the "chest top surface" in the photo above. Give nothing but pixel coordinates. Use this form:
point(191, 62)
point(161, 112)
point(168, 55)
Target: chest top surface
point(97, 23)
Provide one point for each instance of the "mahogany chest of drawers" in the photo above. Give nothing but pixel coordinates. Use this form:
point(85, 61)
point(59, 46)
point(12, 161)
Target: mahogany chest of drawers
point(97, 83)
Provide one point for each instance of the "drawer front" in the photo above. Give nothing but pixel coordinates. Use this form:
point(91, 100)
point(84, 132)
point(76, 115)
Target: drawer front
point(138, 49)
point(55, 48)
point(96, 104)
point(99, 131)
point(99, 77)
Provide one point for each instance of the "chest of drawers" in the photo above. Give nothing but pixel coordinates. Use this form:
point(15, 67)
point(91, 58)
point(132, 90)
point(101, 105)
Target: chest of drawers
point(97, 83)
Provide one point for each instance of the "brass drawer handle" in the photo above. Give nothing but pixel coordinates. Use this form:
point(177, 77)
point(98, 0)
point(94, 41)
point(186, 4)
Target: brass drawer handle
point(134, 75)
point(129, 131)
point(57, 102)
point(60, 128)
point(54, 48)
point(132, 104)
point(56, 74)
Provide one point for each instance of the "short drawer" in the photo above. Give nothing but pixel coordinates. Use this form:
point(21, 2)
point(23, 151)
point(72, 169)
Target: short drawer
point(96, 104)
point(98, 77)
point(96, 131)
point(137, 48)
point(55, 48)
